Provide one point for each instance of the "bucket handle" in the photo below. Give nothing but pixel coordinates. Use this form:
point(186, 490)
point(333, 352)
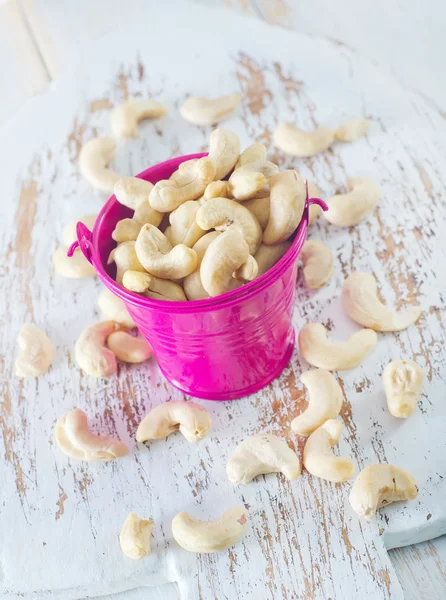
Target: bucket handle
point(319, 202)
point(83, 242)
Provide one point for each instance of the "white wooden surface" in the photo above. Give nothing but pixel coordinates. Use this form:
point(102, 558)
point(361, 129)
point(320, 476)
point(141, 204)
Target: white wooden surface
point(35, 185)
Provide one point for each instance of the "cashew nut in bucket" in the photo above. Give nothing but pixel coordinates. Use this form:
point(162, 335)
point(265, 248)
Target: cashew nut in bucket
point(169, 194)
point(287, 202)
point(125, 258)
point(403, 382)
point(260, 208)
point(379, 485)
point(132, 191)
point(153, 287)
point(126, 116)
point(94, 159)
point(209, 536)
point(335, 356)
point(253, 153)
point(91, 353)
point(191, 419)
point(159, 258)
point(360, 302)
point(217, 189)
point(261, 454)
point(184, 228)
point(114, 309)
point(128, 229)
point(134, 538)
point(325, 402)
point(318, 262)
point(318, 457)
point(247, 182)
point(75, 439)
point(128, 348)
point(72, 267)
point(206, 111)
point(193, 288)
point(224, 150)
point(221, 213)
point(302, 144)
point(37, 352)
point(352, 130)
point(267, 256)
point(350, 209)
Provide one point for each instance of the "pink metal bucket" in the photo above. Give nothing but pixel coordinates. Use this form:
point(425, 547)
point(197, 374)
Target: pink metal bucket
point(220, 348)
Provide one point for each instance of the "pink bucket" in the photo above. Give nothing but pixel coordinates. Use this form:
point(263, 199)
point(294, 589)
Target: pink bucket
point(220, 348)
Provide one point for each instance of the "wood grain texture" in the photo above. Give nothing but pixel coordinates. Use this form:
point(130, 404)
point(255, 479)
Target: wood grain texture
point(299, 545)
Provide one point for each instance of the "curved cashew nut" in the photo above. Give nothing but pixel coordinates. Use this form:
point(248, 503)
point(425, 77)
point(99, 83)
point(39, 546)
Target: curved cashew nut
point(169, 194)
point(94, 159)
point(325, 401)
point(217, 189)
point(132, 191)
point(302, 144)
point(403, 381)
point(261, 454)
point(184, 228)
point(75, 439)
point(37, 352)
point(350, 209)
point(127, 230)
point(267, 256)
point(253, 153)
point(248, 271)
point(193, 288)
point(125, 258)
point(158, 257)
point(247, 182)
point(153, 287)
point(224, 149)
point(379, 485)
point(225, 254)
point(352, 130)
point(128, 348)
point(134, 538)
point(209, 536)
point(360, 302)
point(69, 234)
point(335, 356)
point(126, 116)
point(73, 267)
point(318, 262)
point(287, 202)
point(206, 111)
point(191, 419)
point(318, 457)
point(90, 351)
point(114, 309)
point(221, 213)
point(260, 208)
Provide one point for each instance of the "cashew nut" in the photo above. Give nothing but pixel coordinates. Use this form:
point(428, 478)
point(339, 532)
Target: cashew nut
point(184, 229)
point(350, 209)
point(126, 259)
point(253, 153)
point(287, 202)
point(335, 356)
point(224, 150)
point(267, 256)
point(221, 213)
point(379, 485)
point(153, 287)
point(325, 401)
point(403, 381)
point(248, 271)
point(126, 116)
point(318, 261)
point(90, 351)
point(352, 130)
point(75, 439)
point(193, 288)
point(217, 189)
point(302, 144)
point(260, 209)
point(128, 348)
point(209, 536)
point(261, 454)
point(69, 234)
point(134, 538)
point(360, 302)
point(318, 457)
point(246, 182)
point(159, 258)
point(206, 111)
point(36, 354)
point(127, 230)
point(94, 159)
point(169, 194)
point(131, 191)
point(114, 309)
point(191, 419)
point(72, 267)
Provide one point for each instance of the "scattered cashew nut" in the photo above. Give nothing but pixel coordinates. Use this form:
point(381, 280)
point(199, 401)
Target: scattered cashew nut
point(318, 262)
point(267, 256)
point(184, 228)
point(125, 258)
point(379, 485)
point(114, 309)
point(128, 348)
point(132, 191)
point(253, 153)
point(37, 352)
point(94, 159)
point(352, 130)
point(318, 457)
point(126, 116)
point(134, 538)
point(224, 150)
point(403, 382)
point(287, 202)
point(91, 353)
point(302, 144)
point(75, 439)
point(153, 287)
point(360, 302)
point(345, 210)
point(191, 419)
point(72, 267)
point(206, 111)
point(261, 454)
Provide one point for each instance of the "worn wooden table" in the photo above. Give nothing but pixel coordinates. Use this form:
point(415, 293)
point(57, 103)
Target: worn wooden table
point(39, 41)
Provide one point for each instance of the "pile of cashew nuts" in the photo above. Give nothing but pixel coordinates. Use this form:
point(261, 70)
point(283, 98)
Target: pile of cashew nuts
point(215, 224)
